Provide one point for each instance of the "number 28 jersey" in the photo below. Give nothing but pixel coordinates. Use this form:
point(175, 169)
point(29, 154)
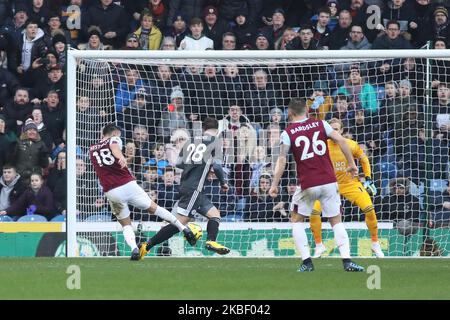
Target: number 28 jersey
point(107, 167)
point(308, 143)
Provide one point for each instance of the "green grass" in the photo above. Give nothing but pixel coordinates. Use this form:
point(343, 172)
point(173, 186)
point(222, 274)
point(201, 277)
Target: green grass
point(218, 278)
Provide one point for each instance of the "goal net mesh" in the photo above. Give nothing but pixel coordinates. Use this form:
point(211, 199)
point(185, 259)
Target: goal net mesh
point(396, 109)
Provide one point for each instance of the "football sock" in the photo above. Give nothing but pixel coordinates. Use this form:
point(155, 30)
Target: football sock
point(372, 225)
point(129, 236)
point(342, 241)
point(166, 215)
point(212, 228)
point(301, 240)
point(164, 234)
point(316, 227)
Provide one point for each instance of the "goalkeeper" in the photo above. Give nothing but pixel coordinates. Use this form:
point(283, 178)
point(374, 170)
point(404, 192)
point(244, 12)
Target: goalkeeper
point(196, 161)
point(352, 189)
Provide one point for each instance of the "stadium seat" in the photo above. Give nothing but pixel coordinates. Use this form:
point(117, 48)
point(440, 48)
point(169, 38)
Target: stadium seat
point(101, 217)
point(59, 218)
point(5, 218)
point(32, 218)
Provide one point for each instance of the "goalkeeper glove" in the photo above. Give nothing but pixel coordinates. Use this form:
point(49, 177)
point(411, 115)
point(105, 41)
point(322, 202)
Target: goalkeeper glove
point(370, 187)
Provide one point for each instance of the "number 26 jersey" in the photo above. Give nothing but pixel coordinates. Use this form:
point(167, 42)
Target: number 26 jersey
point(107, 167)
point(308, 143)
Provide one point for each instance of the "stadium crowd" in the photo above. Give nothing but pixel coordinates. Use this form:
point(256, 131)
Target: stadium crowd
point(382, 104)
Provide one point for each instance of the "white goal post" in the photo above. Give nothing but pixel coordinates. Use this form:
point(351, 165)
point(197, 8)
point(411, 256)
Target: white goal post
point(286, 64)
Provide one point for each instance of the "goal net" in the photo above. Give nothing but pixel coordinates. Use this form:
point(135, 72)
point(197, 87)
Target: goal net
point(394, 104)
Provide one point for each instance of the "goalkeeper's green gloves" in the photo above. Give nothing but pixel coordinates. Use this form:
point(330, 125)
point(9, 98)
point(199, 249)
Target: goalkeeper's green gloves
point(370, 187)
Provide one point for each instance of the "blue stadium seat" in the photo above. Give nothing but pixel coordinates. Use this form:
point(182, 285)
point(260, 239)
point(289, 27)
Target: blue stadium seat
point(100, 217)
point(59, 218)
point(32, 218)
point(4, 218)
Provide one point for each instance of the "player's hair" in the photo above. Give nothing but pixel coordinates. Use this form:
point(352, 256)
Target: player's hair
point(110, 128)
point(336, 120)
point(210, 123)
point(297, 106)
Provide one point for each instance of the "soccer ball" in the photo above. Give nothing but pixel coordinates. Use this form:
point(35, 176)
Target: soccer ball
point(196, 229)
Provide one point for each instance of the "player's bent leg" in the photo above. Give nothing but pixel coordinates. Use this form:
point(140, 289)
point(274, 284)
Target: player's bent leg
point(301, 241)
point(212, 229)
point(164, 234)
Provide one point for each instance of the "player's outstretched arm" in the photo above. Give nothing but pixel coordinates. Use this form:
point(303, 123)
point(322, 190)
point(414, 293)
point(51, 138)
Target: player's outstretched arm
point(340, 140)
point(279, 169)
point(117, 153)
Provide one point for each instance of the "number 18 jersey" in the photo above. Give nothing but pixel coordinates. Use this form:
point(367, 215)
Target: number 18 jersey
point(308, 143)
point(107, 167)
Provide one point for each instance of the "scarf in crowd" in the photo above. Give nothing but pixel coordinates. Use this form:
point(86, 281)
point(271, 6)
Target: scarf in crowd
point(143, 38)
point(159, 10)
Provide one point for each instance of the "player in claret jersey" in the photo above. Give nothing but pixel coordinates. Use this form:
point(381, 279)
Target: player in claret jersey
point(307, 140)
point(121, 189)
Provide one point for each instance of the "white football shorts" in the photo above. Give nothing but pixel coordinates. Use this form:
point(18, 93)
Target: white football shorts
point(328, 195)
point(129, 193)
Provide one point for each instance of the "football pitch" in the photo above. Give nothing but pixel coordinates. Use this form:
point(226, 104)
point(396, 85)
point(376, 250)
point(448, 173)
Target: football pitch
point(219, 278)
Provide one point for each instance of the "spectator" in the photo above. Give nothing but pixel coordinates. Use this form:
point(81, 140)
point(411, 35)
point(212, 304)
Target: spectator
point(277, 117)
point(341, 111)
point(400, 204)
point(159, 158)
point(361, 93)
point(215, 28)
point(321, 30)
point(262, 42)
point(424, 15)
point(110, 18)
point(54, 27)
point(403, 12)
point(57, 182)
point(360, 15)
point(441, 111)
point(340, 34)
point(54, 115)
point(233, 121)
point(392, 39)
point(95, 40)
point(55, 82)
point(229, 9)
point(128, 88)
point(333, 5)
point(260, 98)
point(11, 186)
point(196, 40)
point(151, 178)
point(32, 45)
point(319, 103)
point(358, 40)
point(305, 41)
point(8, 84)
point(59, 45)
point(168, 191)
point(441, 23)
point(39, 12)
point(140, 139)
point(149, 35)
point(36, 199)
point(189, 8)
point(223, 201)
point(36, 116)
point(159, 11)
point(134, 163)
point(168, 43)
point(440, 207)
point(275, 31)
point(174, 117)
point(14, 27)
point(262, 207)
point(259, 165)
point(71, 19)
point(30, 153)
point(41, 67)
point(177, 30)
point(18, 110)
point(5, 141)
point(132, 42)
point(177, 140)
point(244, 145)
point(228, 41)
point(244, 30)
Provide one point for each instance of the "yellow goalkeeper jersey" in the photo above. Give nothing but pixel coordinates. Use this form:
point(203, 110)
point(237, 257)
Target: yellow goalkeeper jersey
point(340, 163)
